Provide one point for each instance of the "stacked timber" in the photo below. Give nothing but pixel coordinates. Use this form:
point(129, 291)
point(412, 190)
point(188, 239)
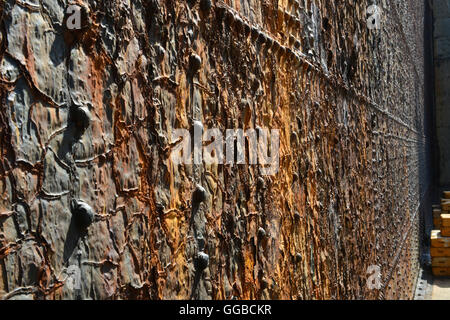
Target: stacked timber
point(440, 237)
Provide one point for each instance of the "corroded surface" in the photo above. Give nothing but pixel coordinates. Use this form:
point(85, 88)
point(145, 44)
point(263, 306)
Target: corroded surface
point(87, 118)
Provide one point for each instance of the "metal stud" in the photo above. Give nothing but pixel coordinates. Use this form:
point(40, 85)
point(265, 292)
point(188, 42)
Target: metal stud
point(195, 62)
point(199, 194)
point(202, 261)
point(261, 233)
point(83, 213)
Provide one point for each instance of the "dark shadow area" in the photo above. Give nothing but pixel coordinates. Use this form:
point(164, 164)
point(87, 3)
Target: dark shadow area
point(428, 162)
point(58, 50)
point(77, 123)
point(194, 293)
point(67, 141)
point(73, 236)
point(442, 282)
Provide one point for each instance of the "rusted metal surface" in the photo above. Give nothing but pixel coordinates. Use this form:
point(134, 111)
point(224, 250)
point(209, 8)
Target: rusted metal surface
point(86, 128)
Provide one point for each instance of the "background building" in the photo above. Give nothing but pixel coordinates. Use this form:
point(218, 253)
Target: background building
point(85, 132)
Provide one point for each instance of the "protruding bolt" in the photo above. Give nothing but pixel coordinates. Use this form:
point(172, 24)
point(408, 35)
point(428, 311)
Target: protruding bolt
point(160, 51)
point(262, 38)
point(239, 23)
point(294, 138)
point(202, 261)
point(261, 183)
point(247, 29)
point(199, 194)
point(264, 283)
point(195, 62)
point(269, 42)
point(81, 117)
point(261, 233)
point(298, 257)
point(159, 207)
point(297, 215)
point(256, 85)
point(83, 213)
point(255, 33)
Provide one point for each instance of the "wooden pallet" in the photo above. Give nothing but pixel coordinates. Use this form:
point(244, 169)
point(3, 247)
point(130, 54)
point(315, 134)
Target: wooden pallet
point(445, 220)
point(437, 213)
point(438, 241)
point(445, 204)
point(440, 262)
point(440, 252)
point(438, 271)
point(437, 223)
point(440, 237)
point(445, 231)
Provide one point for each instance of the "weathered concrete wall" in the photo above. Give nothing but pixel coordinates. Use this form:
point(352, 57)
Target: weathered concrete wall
point(88, 116)
point(442, 81)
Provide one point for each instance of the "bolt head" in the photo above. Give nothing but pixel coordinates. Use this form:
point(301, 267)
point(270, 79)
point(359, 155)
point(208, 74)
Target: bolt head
point(81, 118)
point(255, 32)
point(202, 261)
point(195, 62)
point(261, 233)
point(83, 214)
point(261, 183)
point(262, 38)
point(264, 283)
point(199, 195)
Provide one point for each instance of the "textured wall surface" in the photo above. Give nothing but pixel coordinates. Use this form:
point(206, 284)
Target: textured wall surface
point(442, 72)
point(85, 130)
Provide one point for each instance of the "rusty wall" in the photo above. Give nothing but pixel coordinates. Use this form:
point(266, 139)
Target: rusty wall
point(86, 123)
